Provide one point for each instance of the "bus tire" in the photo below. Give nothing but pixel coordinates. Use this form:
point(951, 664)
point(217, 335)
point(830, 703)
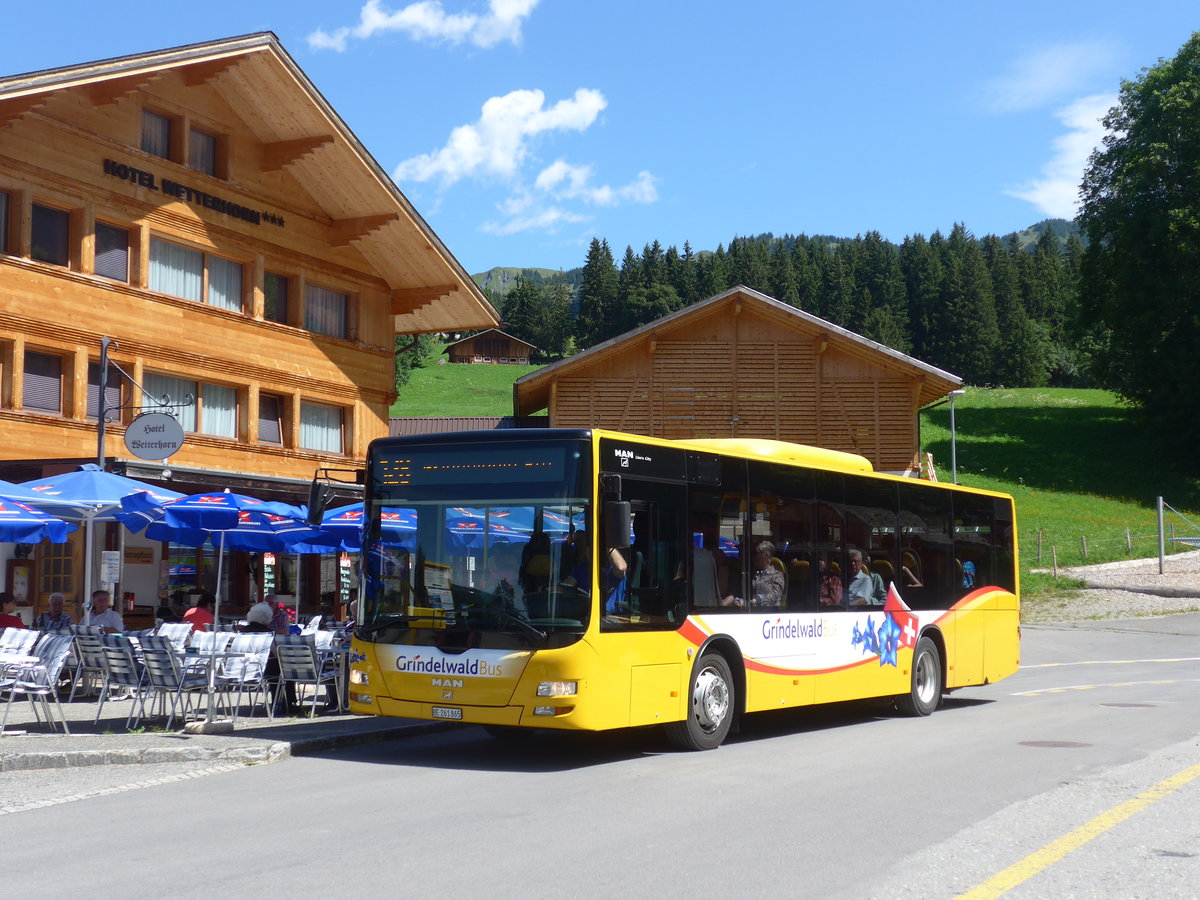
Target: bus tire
point(711, 704)
point(926, 692)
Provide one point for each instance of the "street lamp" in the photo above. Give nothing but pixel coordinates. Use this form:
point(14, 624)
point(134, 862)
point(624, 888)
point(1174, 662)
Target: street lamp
point(953, 441)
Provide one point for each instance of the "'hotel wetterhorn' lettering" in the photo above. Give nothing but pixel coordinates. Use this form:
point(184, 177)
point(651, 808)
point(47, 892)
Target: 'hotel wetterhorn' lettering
point(145, 179)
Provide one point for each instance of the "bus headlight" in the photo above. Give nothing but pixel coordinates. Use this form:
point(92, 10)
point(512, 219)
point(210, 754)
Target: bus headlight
point(359, 676)
point(557, 688)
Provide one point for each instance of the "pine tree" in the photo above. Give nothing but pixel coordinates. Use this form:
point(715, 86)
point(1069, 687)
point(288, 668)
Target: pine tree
point(597, 294)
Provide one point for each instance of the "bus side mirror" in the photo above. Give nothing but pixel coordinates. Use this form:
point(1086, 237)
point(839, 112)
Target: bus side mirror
point(319, 496)
point(618, 523)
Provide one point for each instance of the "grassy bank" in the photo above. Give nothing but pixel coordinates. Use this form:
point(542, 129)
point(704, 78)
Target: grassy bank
point(1078, 463)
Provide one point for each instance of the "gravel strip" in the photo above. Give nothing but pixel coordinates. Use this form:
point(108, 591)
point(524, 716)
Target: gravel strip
point(1128, 589)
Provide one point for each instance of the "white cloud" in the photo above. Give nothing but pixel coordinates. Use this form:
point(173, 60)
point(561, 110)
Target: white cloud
point(428, 21)
point(1056, 192)
point(498, 143)
point(548, 219)
point(567, 182)
point(1049, 74)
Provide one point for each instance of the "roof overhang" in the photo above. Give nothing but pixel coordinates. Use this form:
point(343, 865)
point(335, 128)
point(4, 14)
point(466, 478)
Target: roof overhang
point(301, 133)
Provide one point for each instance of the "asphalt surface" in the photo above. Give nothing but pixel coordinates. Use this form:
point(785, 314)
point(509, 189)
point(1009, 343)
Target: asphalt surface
point(28, 744)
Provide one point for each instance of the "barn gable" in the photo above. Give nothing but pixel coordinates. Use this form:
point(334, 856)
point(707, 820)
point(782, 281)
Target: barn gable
point(742, 364)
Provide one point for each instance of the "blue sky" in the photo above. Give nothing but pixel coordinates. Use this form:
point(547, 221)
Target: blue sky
point(521, 129)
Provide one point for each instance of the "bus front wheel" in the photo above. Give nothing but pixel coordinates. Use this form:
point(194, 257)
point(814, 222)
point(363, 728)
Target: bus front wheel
point(710, 706)
point(926, 691)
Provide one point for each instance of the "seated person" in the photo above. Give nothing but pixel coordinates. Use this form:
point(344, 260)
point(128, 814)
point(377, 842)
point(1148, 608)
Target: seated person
point(200, 616)
point(767, 583)
point(865, 587)
point(104, 615)
point(830, 591)
point(54, 619)
point(8, 612)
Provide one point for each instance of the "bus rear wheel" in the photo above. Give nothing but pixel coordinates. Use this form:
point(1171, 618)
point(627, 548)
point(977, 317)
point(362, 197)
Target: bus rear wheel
point(926, 691)
point(711, 703)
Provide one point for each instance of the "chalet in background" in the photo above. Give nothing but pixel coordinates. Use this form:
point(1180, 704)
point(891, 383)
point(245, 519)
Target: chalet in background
point(491, 346)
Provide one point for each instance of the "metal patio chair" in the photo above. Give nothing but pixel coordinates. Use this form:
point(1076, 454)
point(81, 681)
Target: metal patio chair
point(302, 664)
point(38, 681)
point(166, 676)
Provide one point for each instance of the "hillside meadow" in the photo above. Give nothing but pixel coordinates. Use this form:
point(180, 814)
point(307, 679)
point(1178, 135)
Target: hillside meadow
point(1077, 462)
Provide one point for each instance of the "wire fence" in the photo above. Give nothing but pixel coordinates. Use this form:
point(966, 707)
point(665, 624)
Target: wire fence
point(1172, 532)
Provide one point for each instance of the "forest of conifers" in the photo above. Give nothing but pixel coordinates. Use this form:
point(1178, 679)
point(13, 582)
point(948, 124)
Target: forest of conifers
point(989, 310)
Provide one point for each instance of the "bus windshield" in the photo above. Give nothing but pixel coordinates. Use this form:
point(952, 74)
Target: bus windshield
point(470, 544)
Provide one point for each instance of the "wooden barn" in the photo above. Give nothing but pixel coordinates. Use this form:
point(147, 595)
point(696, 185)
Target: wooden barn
point(206, 209)
point(742, 364)
point(491, 346)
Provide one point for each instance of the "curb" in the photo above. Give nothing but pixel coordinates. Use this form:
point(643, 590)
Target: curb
point(267, 752)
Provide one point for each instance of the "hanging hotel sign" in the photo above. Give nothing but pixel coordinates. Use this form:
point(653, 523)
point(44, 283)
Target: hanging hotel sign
point(150, 181)
point(153, 436)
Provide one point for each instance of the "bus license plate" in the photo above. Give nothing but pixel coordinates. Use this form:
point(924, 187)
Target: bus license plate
point(447, 712)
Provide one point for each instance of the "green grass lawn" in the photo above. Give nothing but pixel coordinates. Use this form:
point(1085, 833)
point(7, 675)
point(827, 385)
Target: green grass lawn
point(1077, 461)
point(459, 390)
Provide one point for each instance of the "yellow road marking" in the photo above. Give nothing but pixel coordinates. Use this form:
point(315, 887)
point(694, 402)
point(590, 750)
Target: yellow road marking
point(1005, 881)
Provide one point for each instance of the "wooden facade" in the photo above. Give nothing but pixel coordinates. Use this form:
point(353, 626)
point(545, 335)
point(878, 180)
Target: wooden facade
point(742, 364)
point(491, 346)
point(206, 209)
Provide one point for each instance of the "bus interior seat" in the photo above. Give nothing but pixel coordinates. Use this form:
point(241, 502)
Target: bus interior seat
point(884, 569)
point(704, 578)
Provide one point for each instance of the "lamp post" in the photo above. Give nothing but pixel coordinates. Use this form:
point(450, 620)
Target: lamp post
point(953, 440)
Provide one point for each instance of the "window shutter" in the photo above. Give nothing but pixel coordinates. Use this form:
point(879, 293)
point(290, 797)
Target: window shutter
point(43, 382)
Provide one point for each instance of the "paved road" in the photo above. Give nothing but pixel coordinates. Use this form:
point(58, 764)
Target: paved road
point(1091, 745)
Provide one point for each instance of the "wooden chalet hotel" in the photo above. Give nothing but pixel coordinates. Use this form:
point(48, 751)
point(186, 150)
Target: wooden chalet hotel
point(206, 209)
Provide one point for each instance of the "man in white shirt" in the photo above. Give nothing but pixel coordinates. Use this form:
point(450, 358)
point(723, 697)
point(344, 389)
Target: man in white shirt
point(104, 615)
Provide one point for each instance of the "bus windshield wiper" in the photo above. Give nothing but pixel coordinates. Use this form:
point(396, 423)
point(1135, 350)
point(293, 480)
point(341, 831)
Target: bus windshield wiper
point(528, 627)
point(379, 625)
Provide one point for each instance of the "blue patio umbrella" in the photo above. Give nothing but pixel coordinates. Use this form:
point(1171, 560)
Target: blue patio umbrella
point(22, 524)
point(342, 528)
point(89, 495)
point(226, 520)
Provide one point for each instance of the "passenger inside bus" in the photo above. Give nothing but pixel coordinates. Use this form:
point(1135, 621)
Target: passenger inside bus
point(767, 583)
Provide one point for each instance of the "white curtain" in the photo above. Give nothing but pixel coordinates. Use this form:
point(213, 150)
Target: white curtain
point(202, 152)
point(219, 413)
point(324, 311)
point(178, 390)
point(176, 270)
point(156, 134)
point(320, 428)
point(224, 283)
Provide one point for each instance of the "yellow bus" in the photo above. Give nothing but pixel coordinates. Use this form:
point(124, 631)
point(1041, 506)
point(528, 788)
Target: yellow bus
point(586, 579)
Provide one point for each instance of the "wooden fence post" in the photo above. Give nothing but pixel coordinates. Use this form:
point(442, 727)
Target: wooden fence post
point(1054, 559)
point(1039, 552)
point(1128, 542)
point(1083, 541)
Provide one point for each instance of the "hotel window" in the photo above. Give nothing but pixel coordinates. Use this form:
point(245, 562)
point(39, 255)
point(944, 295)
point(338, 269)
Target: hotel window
point(42, 385)
point(51, 235)
point(156, 134)
point(213, 409)
point(320, 428)
point(180, 271)
point(112, 393)
point(275, 298)
point(325, 311)
point(270, 419)
point(112, 252)
point(202, 152)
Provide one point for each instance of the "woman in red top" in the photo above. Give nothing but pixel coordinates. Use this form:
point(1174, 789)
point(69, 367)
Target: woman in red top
point(200, 615)
point(8, 610)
